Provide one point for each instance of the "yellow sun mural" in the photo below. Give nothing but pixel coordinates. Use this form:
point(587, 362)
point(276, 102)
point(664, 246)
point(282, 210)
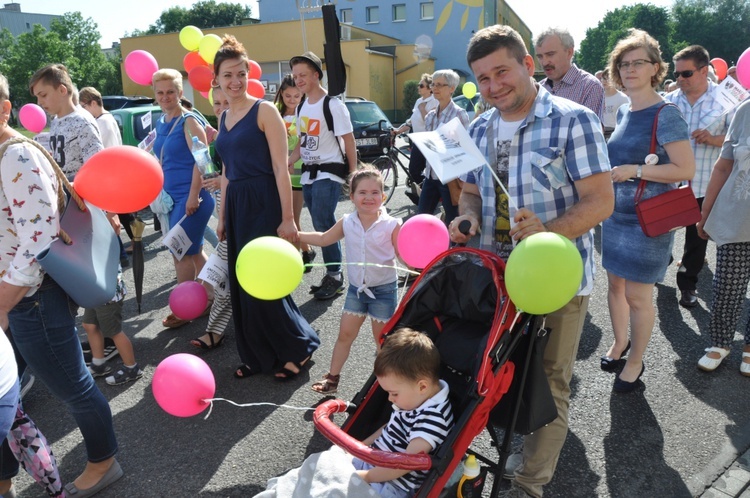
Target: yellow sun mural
point(448, 9)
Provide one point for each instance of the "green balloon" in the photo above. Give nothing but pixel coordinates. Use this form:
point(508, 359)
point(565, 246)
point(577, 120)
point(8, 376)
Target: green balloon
point(269, 268)
point(469, 90)
point(543, 273)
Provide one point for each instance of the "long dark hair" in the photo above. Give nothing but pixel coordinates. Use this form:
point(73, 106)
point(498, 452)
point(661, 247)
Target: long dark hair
point(286, 82)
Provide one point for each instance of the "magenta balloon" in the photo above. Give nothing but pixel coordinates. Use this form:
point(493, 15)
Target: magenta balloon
point(140, 66)
point(743, 68)
point(32, 118)
point(188, 300)
point(421, 239)
point(181, 383)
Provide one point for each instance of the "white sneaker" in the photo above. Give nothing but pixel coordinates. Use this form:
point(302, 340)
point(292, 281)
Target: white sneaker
point(512, 464)
point(708, 364)
point(744, 366)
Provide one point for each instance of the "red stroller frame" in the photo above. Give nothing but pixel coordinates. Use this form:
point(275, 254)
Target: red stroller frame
point(460, 301)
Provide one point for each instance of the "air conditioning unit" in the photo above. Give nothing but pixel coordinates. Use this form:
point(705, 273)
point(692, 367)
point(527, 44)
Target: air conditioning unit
point(346, 32)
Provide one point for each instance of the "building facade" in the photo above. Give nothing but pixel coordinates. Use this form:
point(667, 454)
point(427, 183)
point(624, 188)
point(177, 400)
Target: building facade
point(18, 22)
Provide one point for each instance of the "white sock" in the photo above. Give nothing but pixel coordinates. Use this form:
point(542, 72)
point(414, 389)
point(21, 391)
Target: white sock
point(98, 361)
point(130, 367)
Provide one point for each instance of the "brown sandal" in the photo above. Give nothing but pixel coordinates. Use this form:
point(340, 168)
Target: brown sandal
point(172, 322)
point(328, 385)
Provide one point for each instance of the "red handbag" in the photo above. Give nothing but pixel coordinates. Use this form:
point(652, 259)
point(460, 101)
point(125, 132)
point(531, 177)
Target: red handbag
point(668, 211)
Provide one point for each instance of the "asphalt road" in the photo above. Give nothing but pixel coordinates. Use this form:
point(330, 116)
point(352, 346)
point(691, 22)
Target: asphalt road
point(670, 439)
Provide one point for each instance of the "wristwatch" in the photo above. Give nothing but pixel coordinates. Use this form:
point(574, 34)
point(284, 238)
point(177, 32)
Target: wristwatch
point(639, 172)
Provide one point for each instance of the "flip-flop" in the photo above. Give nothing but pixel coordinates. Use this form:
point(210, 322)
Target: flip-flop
point(245, 372)
point(290, 374)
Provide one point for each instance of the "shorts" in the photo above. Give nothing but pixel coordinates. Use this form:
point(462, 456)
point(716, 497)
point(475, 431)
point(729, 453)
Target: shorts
point(384, 489)
point(107, 317)
point(381, 308)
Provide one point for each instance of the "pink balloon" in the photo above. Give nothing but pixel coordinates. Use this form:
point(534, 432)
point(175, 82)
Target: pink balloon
point(181, 384)
point(32, 118)
point(188, 300)
point(421, 239)
point(204, 95)
point(743, 68)
point(140, 66)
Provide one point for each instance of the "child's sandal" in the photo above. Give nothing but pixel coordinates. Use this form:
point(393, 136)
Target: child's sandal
point(328, 385)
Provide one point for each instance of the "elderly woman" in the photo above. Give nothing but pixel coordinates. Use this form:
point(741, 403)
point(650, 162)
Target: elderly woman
point(444, 83)
point(39, 312)
point(725, 217)
point(182, 180)
point(635, 262)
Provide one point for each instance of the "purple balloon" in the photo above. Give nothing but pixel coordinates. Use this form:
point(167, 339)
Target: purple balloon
point(140, 66)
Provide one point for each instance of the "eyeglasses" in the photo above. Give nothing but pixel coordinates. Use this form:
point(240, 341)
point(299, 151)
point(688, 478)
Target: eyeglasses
point(438, 85)
point(636, 64)
point(422, 85)
point(686, 73)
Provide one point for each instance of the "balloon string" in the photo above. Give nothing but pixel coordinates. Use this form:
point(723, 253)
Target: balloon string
point(210, 401)
point(400, 268)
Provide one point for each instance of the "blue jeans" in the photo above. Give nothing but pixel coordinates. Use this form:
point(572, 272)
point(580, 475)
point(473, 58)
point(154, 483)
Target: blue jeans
point(432, 192)
point(321, 198)
point(44, 332)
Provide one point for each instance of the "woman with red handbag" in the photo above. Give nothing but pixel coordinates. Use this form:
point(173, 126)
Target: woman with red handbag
point(634, 261)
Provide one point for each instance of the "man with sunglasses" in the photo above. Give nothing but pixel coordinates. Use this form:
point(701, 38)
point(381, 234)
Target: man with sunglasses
point(697, 98)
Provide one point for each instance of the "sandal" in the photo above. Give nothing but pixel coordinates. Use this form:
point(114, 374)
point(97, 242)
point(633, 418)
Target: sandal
point(172, 322)
point(198, 343)
point(329, 384)
point(243, 372)
point(285, 374)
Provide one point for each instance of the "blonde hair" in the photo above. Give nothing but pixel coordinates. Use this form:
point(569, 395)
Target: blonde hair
point(167, 74)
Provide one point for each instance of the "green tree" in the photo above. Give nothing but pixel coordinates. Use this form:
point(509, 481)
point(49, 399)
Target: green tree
point(594, 51)
point(720, 26)
point(411, 94)
point(89, 67)
point(204, 14)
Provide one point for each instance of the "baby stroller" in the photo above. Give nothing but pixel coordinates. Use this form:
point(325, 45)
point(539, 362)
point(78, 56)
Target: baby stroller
point(460, 301)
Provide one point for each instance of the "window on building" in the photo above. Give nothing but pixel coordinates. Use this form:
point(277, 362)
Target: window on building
point(346, 16)
point(372, 15)
point(28, 26)
point(426, 11)
point(399, 13)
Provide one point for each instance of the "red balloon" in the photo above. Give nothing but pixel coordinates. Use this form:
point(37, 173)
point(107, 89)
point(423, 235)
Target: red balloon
point(193, 59)
point(200, 78)
point(720, 66)
point(253, 70)
point(121, 179)
point(255, 88)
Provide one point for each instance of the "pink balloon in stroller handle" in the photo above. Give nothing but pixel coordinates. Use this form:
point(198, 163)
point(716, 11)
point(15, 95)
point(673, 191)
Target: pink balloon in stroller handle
point(323, 423)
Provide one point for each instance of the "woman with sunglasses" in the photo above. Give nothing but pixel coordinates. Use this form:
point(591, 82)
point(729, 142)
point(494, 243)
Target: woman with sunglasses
point(635, 262)
point(424, 104)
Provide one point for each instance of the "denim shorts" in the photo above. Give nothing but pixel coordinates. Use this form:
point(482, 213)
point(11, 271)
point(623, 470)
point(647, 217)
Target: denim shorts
point(381, 308)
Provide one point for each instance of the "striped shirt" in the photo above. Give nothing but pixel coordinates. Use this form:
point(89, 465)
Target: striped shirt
point(432, 122)
point(430, 421)
point(706, 114)
point(559, 143)
point(579, 86)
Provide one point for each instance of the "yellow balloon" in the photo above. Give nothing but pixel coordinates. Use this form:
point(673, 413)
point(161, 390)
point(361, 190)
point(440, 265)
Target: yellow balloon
point(469, 90)
point(208, 47)
point(211, 96)
point(190, 37)
point(269, 268)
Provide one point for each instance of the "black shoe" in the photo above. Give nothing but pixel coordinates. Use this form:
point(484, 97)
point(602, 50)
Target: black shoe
point(689, 298)
point(124, 261)
point(307, 258)
point(622, 386)
point(330, 287)
point(610, 364)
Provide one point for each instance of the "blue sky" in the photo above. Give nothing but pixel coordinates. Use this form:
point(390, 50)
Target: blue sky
point(116, 18)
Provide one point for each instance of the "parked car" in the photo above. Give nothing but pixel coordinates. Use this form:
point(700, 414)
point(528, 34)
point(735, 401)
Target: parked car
point(133, 123)
point(112, 102)
point(467, 104)
point(370, 125)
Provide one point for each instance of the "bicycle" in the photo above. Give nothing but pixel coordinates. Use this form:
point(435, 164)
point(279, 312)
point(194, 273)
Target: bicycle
point(387, 165)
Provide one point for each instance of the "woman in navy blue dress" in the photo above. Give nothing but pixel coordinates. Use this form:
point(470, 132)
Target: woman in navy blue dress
point(272, 336)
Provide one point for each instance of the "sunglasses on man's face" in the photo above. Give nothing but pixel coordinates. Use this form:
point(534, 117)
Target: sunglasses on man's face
point(686, 74)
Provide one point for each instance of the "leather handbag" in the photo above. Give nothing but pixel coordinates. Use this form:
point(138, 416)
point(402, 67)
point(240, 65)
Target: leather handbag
point(85, 258)
point(668, 211)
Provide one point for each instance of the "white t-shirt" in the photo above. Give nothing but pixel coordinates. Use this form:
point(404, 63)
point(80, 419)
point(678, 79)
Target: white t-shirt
point(373, 245)
point(317, 144)
point(73, 139)
point(611, 104)
point(417, 121)
point(109, 130)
